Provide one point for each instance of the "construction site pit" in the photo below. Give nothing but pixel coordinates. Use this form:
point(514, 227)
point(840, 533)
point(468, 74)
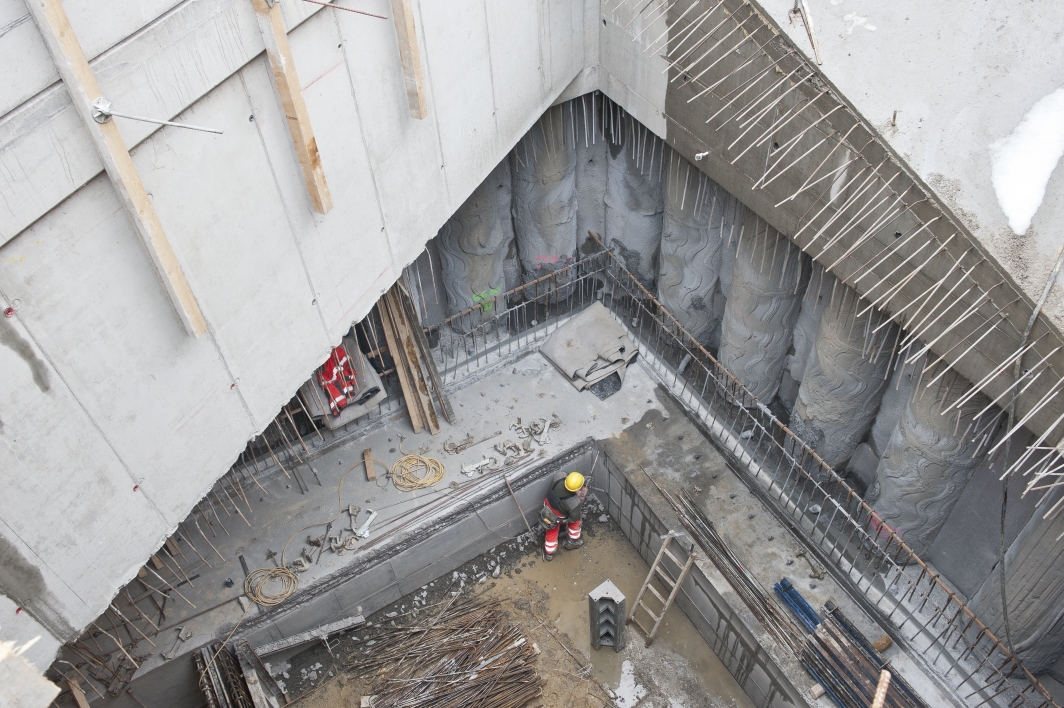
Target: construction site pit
point(548, 604)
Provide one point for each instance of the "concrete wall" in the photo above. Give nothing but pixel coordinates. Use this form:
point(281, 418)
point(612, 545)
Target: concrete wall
point(723, 629)
point(114, 422)
point(961, 76)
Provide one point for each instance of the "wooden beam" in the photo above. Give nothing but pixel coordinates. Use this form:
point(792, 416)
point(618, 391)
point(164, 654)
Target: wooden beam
point(413, 404)
point(286, 81)
point(410, 55)
point(424, 352)
point(77, 693)
point(407, 350)
point(367, 458)
point(80, 82)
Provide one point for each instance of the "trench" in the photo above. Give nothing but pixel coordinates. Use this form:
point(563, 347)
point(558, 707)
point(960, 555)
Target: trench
point(704, 653)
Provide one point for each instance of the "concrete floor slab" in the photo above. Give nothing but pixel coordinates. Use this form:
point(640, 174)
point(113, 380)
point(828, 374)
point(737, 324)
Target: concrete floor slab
point(672, 450)
point(640, 428)
point(530, 389)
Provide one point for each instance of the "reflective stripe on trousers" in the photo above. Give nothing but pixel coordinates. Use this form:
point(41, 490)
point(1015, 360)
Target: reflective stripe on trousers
point(550, 539)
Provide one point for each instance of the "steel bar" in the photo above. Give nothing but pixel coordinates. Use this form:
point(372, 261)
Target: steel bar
point(694, 47)
point(346, 9)
point(838, 144)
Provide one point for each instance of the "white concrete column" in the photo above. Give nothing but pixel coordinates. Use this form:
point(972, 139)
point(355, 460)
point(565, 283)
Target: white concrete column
point(1034, 566)
point(695, 229)
point(544, 196)
point(929, 459)
point(473, 245)
point(842, 388)
point(634, 206)
point(768, 282)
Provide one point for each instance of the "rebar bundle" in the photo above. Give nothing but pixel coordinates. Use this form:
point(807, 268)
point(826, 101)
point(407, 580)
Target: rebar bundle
point(848, 668)
point(753, 594)
point(466, 655)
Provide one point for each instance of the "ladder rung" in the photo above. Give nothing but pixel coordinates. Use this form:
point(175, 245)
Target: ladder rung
point(656, 594)
point(677, 561)
point(664, 576)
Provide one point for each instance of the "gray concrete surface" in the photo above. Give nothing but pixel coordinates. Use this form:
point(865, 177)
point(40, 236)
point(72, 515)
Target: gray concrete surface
point(661, 440)
point(961, 76)
point(544, 207)
point(929, 460)
point(841, 390)
point(473, 245)
point(107, 395)
point(676, 454)
point(694, 233)
point(762, 308)
point(530, 388)
point(105, 392)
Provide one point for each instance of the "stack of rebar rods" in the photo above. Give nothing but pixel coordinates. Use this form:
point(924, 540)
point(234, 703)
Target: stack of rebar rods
point(848, 667)
point(463, 656)
point(761, 603)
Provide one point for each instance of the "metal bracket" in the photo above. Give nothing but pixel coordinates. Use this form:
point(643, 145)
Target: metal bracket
point(363, 530)
point(101, 110)
point(183, 635)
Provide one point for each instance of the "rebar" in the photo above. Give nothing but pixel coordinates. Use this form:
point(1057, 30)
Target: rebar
point(464, 655)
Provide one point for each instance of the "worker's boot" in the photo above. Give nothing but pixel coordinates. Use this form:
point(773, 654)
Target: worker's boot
point(547, 557)
point(571, 545)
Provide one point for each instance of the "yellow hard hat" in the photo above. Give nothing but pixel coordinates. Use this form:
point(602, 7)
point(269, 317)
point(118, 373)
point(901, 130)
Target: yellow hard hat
point(574, 481)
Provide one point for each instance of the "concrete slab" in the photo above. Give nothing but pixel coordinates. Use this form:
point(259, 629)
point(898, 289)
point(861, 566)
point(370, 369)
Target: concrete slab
point(531, 387)
point(960, 76)
point(672, 450)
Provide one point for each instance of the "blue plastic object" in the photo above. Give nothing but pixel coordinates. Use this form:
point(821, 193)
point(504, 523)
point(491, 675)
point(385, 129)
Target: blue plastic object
point(794, 600)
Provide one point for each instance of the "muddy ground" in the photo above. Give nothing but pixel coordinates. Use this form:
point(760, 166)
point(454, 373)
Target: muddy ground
point(549, 602)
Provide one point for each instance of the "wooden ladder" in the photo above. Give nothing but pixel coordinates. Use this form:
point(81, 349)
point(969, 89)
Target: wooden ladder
point(673, 586)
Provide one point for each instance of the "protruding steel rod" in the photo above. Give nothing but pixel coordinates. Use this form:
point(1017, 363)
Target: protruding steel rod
point(345, 9)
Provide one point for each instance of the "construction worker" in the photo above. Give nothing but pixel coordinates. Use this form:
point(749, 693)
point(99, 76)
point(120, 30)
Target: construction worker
point(562, 507)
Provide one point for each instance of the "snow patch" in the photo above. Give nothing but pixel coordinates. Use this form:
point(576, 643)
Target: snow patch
point(856, 20)
point(629, 693)
point(1022, 162)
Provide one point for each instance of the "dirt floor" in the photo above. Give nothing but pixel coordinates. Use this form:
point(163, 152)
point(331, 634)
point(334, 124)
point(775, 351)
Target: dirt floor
point(549, 602)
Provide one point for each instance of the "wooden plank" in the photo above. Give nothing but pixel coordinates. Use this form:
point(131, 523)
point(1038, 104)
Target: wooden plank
point(410, 57)
point(289, 90)
point(77, 693)
point(409, 393)
point(409, 352)
point(156, 562)
point(426, 355)
point(367, 459)
point(80, 82)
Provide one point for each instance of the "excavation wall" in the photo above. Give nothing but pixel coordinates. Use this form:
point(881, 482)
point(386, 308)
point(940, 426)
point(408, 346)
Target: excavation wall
point(110, 411)
point(113, 418)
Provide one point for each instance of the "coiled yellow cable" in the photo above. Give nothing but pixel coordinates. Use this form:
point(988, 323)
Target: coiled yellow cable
point(255, 584)
point(412, 472)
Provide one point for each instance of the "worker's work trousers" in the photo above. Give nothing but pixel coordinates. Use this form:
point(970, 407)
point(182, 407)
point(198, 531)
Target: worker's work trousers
point(550, 541)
